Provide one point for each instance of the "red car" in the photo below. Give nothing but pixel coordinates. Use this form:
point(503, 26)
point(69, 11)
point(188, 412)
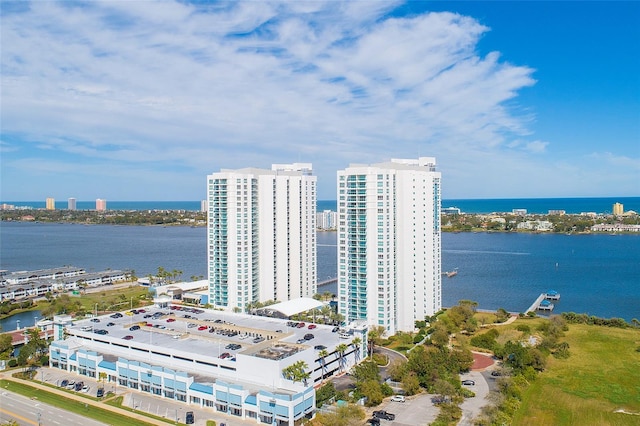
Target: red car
point(171, 319)
point(225, 355)
point(301, 325)
point(202, 327)
point(128, 337)
point(312, 326)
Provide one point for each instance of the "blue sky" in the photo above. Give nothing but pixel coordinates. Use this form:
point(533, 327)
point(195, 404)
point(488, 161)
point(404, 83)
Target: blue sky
point(141, 100)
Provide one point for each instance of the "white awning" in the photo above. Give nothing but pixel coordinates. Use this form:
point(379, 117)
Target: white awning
point(295, 306)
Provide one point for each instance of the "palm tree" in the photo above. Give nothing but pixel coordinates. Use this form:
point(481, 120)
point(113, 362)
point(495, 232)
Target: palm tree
point(341, 349)
point(374, 336)
point(297, 372)
point(356, 344)
point(323, 354)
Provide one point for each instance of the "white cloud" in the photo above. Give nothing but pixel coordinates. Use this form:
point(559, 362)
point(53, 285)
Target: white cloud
point(164, 87)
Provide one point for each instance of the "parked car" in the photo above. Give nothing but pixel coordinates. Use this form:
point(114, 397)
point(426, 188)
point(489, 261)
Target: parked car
point(85, 389)
point(134, 328)
point(308, 336)
point(100, 393)
point(95, 320)
point(335, 329)
point(468, 382)
point(258, 340)
point(64, 383)
point(110, 324)
point(496, 373)
point(78, 386)
point(385, 415)
point(319, 347)
point(225, 355)
point(397, 398)
point(202, 327)
point(101, 331)
point(189, 419)
point(71, 384)
point(128, 337)
point(171, 319)
point(312, 326)
point(301, 325)
point(374, 421)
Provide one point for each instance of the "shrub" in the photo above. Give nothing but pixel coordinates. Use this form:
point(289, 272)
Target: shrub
point(380, 359)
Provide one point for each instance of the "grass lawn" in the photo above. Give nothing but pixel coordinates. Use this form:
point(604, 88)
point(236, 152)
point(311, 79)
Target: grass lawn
point(602, 375)
point(71, 405)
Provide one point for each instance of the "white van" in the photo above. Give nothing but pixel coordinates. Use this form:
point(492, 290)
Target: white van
point(344, 335)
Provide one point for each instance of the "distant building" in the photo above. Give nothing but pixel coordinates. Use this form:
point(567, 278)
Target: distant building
point(101, 205)
point(203, 205)
point(615, 227)
point(618, 209)
point(450, 210)
point(71, 204)
point(557, 212)
point(536, 225)
point(261, 235)
point(326, 219)
point(51, 203)
point(519, 212)
point(389, 243)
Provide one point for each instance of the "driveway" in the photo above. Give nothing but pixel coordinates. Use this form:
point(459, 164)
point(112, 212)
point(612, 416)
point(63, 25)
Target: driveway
point(471, 407)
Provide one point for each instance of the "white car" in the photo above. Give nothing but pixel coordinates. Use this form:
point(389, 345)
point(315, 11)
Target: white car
point(85, 389)
point(397, 398)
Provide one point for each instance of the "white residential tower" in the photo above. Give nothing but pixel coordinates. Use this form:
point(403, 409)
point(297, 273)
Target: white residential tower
point(389, 248)
point(261, 235)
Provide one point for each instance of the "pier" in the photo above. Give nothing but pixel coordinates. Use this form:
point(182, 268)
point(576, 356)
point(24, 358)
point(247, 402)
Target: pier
point(541, 303)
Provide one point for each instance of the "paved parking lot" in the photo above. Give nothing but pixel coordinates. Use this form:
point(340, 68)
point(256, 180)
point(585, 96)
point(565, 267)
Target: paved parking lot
point(417, 410)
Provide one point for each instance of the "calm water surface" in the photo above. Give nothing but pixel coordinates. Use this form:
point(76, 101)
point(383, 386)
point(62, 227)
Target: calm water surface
point(595, 274)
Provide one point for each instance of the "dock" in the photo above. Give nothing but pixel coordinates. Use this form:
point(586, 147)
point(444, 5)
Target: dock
point(552, 295)
point(541, 303)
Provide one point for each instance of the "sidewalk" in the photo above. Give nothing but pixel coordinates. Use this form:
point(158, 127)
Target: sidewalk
point(7, 375)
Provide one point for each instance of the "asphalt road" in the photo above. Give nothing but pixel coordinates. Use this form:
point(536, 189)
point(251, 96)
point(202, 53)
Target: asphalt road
point(31, 412)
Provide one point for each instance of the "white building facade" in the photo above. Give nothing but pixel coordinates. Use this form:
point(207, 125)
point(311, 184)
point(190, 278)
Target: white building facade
point(261, 235)
point(389, 243)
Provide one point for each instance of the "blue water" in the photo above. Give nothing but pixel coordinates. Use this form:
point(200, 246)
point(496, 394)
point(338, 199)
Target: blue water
point(533, 205)
point(595, 274)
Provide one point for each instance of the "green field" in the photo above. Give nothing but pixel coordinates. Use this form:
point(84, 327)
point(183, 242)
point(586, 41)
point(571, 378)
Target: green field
point(601, 376)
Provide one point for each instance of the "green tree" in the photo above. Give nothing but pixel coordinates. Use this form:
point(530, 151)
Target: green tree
point(340, 350)
point(323, 361)
point(375, 337)
point(356, 342)
point(372, 390)
point(5, 346)
point(366, 371)
point(297, 372)
point(410, 383)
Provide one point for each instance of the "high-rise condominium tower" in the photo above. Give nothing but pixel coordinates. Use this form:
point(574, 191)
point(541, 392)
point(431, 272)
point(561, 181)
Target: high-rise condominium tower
point(101, 205)
point(50, 203)
point(261, 235)
point(389, 271)
point(71, 204)
point(618, 209)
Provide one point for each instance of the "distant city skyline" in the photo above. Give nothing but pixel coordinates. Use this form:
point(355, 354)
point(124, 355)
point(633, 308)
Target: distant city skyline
point(515, 99)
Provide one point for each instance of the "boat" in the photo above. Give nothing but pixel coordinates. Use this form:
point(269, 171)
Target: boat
point(453, 273)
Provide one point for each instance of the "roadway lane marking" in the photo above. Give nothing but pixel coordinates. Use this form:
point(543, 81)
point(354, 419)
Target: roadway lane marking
point(18, 416)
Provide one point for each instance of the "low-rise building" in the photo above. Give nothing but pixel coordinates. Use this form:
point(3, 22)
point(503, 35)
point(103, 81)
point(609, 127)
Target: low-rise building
point(231, 363)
